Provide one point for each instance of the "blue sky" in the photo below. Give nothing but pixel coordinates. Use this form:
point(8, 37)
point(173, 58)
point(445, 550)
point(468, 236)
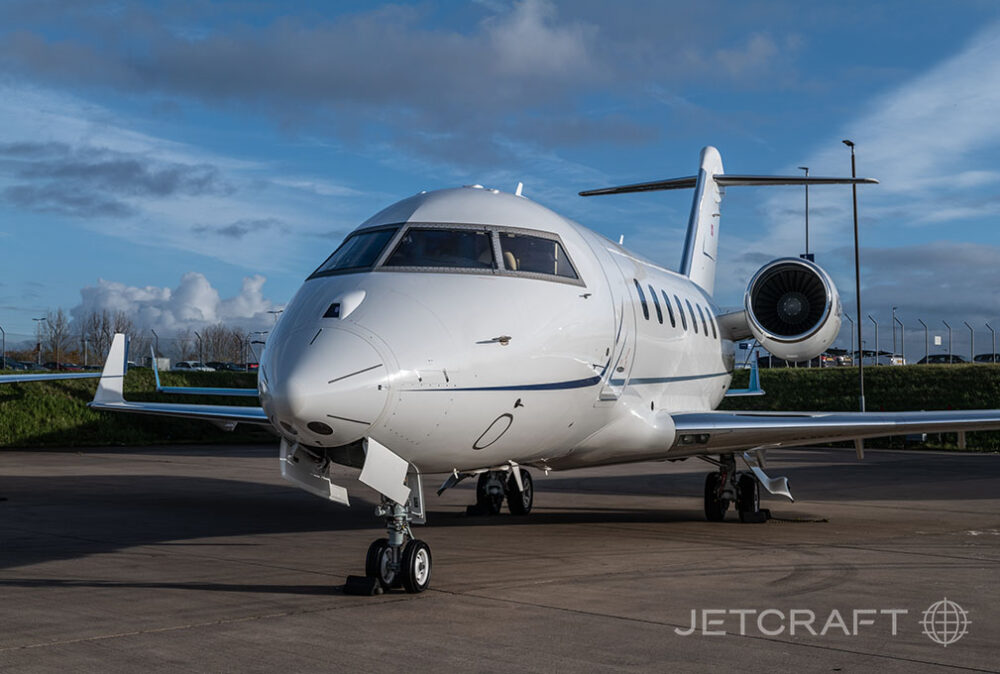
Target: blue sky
point(193, 163)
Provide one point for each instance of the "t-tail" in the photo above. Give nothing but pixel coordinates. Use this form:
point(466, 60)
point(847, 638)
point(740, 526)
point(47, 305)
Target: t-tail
point(701, 245)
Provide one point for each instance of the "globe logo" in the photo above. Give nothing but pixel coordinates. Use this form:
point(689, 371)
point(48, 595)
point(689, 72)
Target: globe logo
point(945, 622)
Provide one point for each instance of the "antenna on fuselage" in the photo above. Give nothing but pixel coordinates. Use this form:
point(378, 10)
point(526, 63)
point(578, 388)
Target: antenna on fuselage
point(517, 192)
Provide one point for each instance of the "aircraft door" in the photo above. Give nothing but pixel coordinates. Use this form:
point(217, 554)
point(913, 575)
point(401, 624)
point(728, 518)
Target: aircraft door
point(622, 355)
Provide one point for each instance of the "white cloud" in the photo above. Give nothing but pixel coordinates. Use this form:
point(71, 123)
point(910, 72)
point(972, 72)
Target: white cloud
point(193, 304)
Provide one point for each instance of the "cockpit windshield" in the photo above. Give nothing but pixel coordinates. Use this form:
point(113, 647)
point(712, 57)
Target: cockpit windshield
point(449, 248)
point(358, 251)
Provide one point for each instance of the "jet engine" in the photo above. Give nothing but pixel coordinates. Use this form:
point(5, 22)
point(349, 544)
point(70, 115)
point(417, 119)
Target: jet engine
point(793, 309)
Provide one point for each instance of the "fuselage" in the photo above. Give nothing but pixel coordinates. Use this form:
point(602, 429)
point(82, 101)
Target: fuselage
point(487, 329)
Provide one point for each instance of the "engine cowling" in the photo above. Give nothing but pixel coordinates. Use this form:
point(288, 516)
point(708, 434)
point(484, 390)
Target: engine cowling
point(793, 309)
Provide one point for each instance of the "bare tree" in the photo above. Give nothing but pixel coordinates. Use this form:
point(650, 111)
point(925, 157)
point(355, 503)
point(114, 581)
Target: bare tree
point(58, 339)
point(223, 343)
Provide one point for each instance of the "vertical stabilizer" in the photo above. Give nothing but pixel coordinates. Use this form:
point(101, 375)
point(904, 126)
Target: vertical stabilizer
point(702, 243)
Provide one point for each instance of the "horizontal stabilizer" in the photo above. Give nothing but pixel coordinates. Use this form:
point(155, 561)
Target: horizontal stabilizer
point(199, 390)
point(724, 180)
point(24, 378)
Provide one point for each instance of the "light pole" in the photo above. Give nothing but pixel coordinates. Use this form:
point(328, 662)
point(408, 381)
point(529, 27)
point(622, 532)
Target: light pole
point(156, 342)
point(275, 313)
point(38, 338)
point(851, 321)
point(876, 336)
point(927, 352)
point(972, 342)
point(902, 337)
point(993, 354)
point(857, 275)
point(807, 256)
point(949, 339)
point(3, 349)
point(201, 359)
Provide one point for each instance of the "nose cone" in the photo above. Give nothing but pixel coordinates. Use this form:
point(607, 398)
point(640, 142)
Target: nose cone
point(323, 387)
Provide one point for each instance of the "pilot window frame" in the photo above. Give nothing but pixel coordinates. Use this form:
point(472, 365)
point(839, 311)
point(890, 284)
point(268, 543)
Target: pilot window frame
point(498, 268)
point(320, 272)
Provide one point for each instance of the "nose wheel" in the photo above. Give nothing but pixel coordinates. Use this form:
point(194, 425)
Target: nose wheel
point(398, 560)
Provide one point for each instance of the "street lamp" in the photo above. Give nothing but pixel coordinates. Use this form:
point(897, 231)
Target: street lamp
point(927, 352)
point(876, 336)
point(201, 353)
point(3, 349)
point(807, 256)
point(275, 313)
point(851, 321)
point(38, 338)
point(902, 336)
point(857, 275)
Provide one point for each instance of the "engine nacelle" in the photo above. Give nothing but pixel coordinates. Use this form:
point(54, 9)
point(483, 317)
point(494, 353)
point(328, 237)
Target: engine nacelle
point(793, 309)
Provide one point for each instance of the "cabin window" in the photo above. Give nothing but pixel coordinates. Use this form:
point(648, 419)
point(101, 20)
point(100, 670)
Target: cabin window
point(443, 248)
point(670, 309)
point(711, 320)
point(358, 251)
point(694, 321)
point(680, 310)
point(642, 300)
point(534, 254)
point(704, 325)
point(656, 303)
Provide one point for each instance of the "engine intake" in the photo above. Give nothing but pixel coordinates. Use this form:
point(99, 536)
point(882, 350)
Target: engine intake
point(793, 309)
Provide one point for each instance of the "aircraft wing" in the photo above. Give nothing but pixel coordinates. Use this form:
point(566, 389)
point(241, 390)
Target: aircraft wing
point(718, 431)
point(19, 378)
point(110, 397)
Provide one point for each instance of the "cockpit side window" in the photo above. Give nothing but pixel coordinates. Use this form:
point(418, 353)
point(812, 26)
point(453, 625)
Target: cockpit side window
point(443, 248)
point(358, 251)
point(534, 254)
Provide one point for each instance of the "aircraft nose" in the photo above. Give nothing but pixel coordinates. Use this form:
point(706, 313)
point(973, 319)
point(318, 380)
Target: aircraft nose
point(323, 387)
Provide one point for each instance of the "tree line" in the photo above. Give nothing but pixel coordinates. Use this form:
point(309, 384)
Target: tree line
point(86, 341)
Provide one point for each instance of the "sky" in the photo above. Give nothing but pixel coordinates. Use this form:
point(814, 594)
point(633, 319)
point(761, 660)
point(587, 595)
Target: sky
point(193, 162)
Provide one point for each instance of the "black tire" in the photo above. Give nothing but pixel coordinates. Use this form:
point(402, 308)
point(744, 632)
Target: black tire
point(748, 496)
point(416, 569)
point(520, 502)
point(376, 564)
point(486, 502)
point(715, 507)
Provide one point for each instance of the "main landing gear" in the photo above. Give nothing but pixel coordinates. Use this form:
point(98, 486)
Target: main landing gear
point(494, 486)
point(726, 486)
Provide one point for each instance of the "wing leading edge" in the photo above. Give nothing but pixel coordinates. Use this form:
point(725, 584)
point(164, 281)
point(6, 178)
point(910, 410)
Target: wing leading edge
point(715, 432)
point(110, 397)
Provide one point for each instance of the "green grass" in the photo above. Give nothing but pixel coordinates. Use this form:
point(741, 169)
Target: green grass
point(888, 389)
point(55, 414)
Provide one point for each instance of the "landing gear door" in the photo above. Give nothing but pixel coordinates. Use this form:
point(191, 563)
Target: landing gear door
point(622, 355)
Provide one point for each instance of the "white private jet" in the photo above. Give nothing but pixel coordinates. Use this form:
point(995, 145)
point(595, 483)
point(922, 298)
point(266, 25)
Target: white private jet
point(474, 333)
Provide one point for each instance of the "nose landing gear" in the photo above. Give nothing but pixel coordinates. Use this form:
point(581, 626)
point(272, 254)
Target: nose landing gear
point(399, 560)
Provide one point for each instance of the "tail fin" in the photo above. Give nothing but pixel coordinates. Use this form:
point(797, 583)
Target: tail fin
point(702, 243)
point(111, 388)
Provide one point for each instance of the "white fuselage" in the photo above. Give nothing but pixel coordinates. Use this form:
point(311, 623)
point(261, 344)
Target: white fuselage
point(420, 360)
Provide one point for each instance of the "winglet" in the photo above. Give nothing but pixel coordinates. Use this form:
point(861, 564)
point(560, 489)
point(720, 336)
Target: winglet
point(111, 388)
point(753, 389)
point(156, 370)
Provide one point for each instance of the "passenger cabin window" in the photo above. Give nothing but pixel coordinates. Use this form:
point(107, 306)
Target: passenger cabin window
point(670, 309)
point(449, 248)
point(642, 299)
point(680, 310)
point(711, 319)
point(358, 251)
point(694, 321)
point(656, 303)
point(534, 254)
point(704, 325)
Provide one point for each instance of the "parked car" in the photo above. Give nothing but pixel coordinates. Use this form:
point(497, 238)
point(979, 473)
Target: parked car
point(226, 367)
point(65, 367)
point(987, 358)
point(941, 359)
point(191, 366)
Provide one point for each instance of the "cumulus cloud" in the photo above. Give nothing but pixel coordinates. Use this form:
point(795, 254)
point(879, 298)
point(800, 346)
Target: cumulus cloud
point(192, 305)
